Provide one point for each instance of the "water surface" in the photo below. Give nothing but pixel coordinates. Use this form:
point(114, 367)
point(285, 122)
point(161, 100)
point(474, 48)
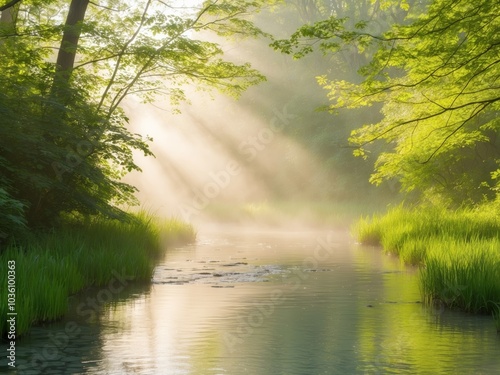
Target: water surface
point(264, 302)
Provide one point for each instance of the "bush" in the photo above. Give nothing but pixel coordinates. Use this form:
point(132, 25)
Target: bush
point(12, 219)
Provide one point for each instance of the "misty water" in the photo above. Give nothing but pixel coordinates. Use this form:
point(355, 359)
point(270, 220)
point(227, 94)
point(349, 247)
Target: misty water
point(264, 302)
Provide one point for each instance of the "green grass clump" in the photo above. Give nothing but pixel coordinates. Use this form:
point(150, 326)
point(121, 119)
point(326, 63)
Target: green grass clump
point(43, 283)
point(458, 252)
point(52, 266)
point(176, 231)
point(402, 230)
point(463, 274)
point(368, 231)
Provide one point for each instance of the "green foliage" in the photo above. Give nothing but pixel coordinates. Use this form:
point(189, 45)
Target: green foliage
point(340, 176)
point(151, 52)
point(12, 219)
point(435, 73)
point(55, 166)
point(64, 142)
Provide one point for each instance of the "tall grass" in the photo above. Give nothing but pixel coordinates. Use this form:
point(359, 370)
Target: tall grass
point(464, 274)
point(52, 266)
point(458, 252)
point(406, 232)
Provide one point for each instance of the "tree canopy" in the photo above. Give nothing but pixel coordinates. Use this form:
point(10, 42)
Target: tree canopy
point(435, 73)
point(337, 174)
point(66, 69)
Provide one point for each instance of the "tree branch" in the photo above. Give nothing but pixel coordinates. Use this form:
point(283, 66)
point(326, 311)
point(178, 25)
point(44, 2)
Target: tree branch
point(9, 4)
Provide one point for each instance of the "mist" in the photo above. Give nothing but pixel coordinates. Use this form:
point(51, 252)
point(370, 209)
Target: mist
point(269, 154)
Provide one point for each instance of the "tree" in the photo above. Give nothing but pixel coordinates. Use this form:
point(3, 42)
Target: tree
point(69, 44)
point(64, 144)
point(436, 75)
point(341, 176)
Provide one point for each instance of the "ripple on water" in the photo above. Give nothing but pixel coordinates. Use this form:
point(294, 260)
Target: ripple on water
point(234, 273)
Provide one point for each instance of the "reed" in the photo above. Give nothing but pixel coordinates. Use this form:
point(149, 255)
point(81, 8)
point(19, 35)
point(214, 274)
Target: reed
point(52, 266)
point(176, 231)
point(458, 252)
point(399, 228)
point(463, 274)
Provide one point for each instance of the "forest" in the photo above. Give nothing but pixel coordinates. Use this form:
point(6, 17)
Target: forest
point(420, 103)
point(384, 117)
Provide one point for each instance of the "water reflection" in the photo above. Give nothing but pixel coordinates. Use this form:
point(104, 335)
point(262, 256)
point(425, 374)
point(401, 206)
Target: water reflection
point(348, 310)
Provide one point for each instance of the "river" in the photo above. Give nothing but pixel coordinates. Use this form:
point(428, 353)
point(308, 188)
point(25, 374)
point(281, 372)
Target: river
point(263, 302)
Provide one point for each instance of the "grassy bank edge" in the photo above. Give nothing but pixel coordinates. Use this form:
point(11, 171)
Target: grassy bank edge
point(458, 252)
point(49, 267)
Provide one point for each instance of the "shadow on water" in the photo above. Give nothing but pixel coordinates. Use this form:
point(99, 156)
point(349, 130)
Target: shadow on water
point(72, 345)
point(265, 302)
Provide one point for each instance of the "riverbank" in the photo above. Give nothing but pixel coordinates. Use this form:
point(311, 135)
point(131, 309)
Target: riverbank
point(46, 268)
point(458, 252)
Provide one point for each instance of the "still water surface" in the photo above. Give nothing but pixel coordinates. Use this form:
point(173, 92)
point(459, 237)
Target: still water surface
point(264, 302)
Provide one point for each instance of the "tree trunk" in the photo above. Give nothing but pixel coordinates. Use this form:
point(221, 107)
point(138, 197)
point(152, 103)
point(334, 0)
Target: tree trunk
point(8, 18)
point(69, 44)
